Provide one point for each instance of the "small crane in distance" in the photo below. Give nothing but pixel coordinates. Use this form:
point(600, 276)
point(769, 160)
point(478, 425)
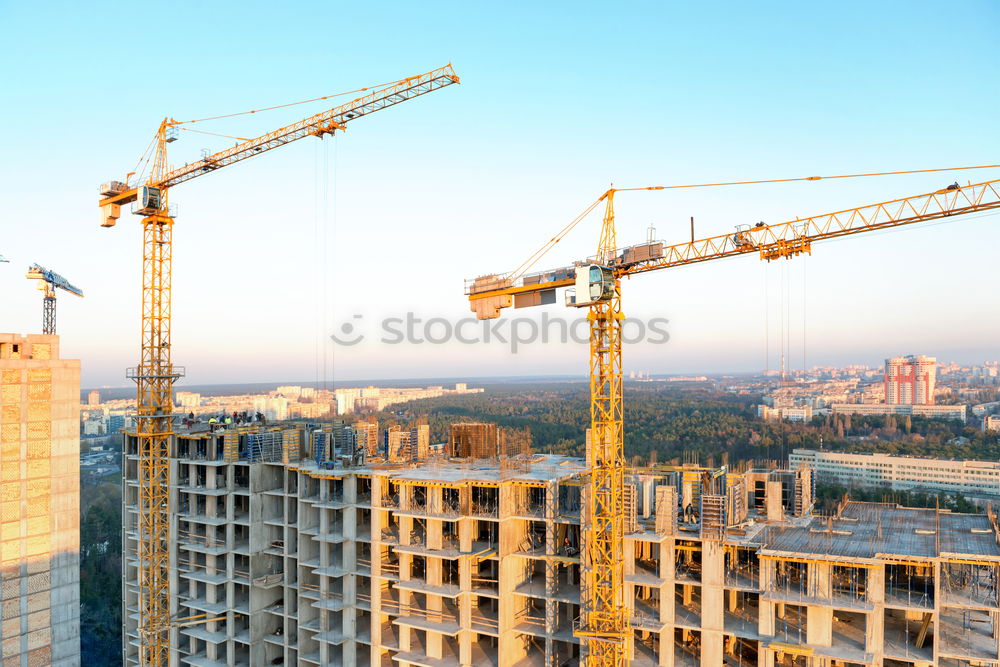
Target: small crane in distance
point(48, 282)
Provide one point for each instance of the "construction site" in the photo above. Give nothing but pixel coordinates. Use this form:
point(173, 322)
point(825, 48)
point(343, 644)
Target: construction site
point(289, 551)
point(277, 547)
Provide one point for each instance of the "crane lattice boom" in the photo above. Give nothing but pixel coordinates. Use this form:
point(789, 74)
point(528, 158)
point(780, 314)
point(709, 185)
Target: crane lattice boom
point(326, 122)
point(783, 239)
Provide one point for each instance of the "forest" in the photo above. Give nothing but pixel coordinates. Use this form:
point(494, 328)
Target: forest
point(668, 421)
point(101, 573)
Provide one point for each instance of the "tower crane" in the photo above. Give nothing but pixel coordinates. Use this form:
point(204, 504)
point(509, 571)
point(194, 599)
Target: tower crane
point(48, 282)
point(595, 284)
point(155, 375)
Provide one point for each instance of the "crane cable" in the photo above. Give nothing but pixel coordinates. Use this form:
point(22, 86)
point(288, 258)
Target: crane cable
point(214, 134)
point(290, 104)
point(551, 243)
point(804, 178)
point(528, 263)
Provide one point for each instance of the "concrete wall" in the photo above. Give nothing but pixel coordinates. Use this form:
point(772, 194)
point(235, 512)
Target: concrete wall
point(39, 502)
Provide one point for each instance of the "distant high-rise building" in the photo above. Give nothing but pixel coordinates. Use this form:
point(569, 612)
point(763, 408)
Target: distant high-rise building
point(94, 398)
point(39, 502)
point(910, 380)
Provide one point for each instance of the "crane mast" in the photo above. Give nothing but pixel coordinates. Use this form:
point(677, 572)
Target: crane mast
point(605, 622)
point(596, 284)
point(156, 374)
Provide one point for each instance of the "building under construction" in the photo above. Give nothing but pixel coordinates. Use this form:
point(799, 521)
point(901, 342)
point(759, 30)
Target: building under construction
point(289, 551)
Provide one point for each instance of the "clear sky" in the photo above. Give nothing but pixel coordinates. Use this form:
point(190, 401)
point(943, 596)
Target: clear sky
point(557, 100)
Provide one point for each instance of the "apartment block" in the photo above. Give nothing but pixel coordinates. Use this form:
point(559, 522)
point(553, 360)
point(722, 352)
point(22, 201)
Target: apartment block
point(286, 554)
point(39, 503)
point(902, 473)
point(910, 380)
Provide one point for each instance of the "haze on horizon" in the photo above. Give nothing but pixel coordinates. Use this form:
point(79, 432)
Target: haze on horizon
point(274, 255)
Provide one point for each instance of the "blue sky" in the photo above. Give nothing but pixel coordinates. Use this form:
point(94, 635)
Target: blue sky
point(556, 102)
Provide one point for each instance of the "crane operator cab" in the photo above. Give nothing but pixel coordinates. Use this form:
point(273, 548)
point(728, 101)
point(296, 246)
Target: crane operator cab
point(150, 200)
point(594, 284)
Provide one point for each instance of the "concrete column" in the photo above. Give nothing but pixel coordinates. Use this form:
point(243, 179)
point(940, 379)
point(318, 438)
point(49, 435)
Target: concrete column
point(668, 554)
point(666, 657)
point(875, 622)
point(775, 512)
point(668, 602)
point(435, 534)
point(511, 571)
point(765, 619)
point(712, 576)
point(875, 632)
point(434, 571)
point(767, 573)
point(875, 584)
point(819, 625)
point(711, 648)
point(629, 548)
point(465, 500)
point(435, 499)
point(820, 580)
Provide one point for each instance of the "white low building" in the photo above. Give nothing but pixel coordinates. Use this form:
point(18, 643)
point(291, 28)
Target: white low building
point(902, 473)
point(957, 412)
point(802, 413)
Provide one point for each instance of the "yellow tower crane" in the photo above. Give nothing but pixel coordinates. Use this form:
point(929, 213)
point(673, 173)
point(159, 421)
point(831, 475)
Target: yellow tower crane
point(156, 373)
point(595, 284)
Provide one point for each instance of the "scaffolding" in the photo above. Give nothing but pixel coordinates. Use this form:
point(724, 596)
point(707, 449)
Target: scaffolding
point(713, 517)
point(474, 440)
point(514, 442)
point(631, 510)
point(666, 510)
